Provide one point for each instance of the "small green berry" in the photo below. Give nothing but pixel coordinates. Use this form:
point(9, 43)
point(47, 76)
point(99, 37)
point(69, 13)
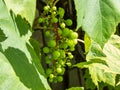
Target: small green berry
point(64, 45)
point(61, 62)
point(75, 41)
point(68, 22)
point(50, 80)
point(72, 48)
point(46, 50)
point(61, 12)
point(55, 54)
point(47, 33)
point(49, 71)
point(46, 8)
point(58, 65)
point(59, 70)
point(70, 55)
point(47, 60)
point(62, 25)
point(69, 64)
point(62, 53)
point(40, 20)
point(51, 43)
point(54, 20)
point(51, 76)
point(73, 35)
point(59, 78)
point(59, 31)
point(65, 32)
point(54, 8)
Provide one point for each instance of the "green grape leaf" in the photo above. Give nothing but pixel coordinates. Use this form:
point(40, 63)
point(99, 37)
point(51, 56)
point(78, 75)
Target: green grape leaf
point(100, 18)
point(111, 55)
point(99, 73)
point(80, 11)
point(92, 61)
point(112, 50)
point(20, 67)
point(88, 81)
point(103, 64)
point(24, 8)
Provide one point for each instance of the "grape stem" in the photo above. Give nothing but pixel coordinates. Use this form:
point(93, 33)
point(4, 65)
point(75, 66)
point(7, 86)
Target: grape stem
point(57, 36)
point(39, 28)
point(55, 2)
point(80, 40)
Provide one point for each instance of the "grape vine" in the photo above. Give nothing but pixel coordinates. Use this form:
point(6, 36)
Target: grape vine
point(60, 41)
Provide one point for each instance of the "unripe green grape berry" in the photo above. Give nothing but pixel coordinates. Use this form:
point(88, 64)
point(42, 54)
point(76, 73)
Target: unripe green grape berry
point(55, 54)
point(51, 76)
point(64, 45)
point(47, 59)
point(54, 13)
point(62, 25)
point(73, 35)
point(59, 70)
point(49, 71)
point(59, 31)
point(54, 8)
point(47, 33)
point(69, 64)
point(61, 62)
point(46, 50)
point(46, 8)
point(72, 48)
point(45, 27)
point(61, 12)
point(63, 71)
point(51, 43)
point(70, 43)
point(75, 41)
point(59, 78)
point(54, 20)
point(58, 65)
point(55, 80)
point(40, 20)
point(62, 53)
point(68, 22)
point(50, 80)
point(65, 32)
point(70, 55)
point(46, 22)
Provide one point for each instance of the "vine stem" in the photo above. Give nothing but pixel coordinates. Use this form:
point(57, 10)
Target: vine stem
point(79, 40)
point(57, 36)
point(56, 2)
point(39, 28)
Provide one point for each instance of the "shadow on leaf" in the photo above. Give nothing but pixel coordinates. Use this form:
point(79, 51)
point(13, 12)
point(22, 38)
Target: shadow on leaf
point(2, 36)
point(23, 69)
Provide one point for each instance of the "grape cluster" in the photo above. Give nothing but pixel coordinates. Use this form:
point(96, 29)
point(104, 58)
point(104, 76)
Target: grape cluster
point(60, 41)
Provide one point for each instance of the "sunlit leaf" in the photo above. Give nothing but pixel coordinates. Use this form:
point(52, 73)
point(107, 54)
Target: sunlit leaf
point(20, 67)
point(100, 18)
point(101, 72)
point(25, 8)
point(80, 6)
